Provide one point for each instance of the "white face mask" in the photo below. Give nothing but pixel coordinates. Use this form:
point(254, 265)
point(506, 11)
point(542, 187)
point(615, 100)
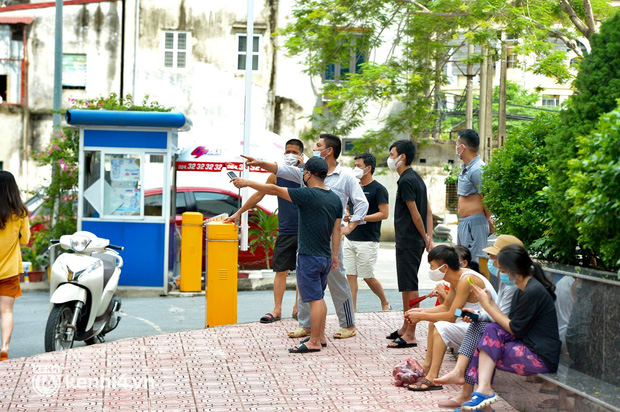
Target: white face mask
point(392, 163)
point(291, 159)
point(358, 173)
point(436, 275)
point(461, 152)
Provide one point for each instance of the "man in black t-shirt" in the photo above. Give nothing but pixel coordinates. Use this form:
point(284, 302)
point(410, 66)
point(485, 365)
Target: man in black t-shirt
point(361, 246)
point(413, 227)
point(320, 214)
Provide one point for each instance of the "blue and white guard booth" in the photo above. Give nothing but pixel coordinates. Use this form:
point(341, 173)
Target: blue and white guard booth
point(122, 155)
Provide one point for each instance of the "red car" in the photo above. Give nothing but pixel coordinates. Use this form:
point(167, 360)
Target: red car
point(210, 202)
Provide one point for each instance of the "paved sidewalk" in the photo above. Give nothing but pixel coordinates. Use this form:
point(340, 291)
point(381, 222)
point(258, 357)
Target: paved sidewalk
point(236, 367)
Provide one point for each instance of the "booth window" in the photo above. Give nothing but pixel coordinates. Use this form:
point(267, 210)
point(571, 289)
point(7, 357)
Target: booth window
point(175, 49)
point(242, 51)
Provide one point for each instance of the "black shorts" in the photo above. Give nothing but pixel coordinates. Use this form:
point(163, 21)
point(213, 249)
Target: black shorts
point(407, 264)
point(285, 253)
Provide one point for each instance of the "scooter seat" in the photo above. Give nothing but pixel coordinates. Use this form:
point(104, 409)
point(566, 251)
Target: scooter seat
point(109, 264)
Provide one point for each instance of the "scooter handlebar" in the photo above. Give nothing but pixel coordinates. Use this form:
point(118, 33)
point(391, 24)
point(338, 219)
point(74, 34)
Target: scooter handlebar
point(116, 247)
point(55, 241)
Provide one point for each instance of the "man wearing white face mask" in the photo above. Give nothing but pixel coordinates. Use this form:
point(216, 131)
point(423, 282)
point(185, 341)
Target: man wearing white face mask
point(449, 330)
point(413, 228)
point(285, 250)
point(361, 246)
point(474, 219)
point(475, 330)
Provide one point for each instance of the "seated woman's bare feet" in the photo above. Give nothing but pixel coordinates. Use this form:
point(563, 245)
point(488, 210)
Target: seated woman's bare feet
point(453, 377)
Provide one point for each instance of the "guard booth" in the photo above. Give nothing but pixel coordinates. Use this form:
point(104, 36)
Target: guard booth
point(126, 187)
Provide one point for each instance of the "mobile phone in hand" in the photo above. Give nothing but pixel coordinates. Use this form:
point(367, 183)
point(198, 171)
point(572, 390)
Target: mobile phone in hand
point(459, 313)
point(232, 175)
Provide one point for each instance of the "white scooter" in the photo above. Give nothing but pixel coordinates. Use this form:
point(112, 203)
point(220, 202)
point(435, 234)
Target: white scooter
point(82, 286)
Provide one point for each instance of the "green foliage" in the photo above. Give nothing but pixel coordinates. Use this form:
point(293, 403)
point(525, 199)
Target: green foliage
point(597, 89)
point(406, 46)
point(595, 191)
point(60, 214)
point(453, 174)
point(515, 179)
point(264, 235)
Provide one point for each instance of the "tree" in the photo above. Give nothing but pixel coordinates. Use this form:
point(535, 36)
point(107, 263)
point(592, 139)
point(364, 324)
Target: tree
point(597, 88)
point(411, 42)
point(595, 191)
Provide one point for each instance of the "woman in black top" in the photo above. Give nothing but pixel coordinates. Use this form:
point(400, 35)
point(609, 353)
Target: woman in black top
point(526, 341)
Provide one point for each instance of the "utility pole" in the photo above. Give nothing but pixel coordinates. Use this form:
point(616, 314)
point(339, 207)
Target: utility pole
point(488, 123)
point(56, 118)
point(501, 115)
point(469, 90)
point(482, 102)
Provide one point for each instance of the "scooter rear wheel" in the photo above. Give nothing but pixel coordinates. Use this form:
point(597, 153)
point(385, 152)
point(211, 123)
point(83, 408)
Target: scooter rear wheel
point(56, 328)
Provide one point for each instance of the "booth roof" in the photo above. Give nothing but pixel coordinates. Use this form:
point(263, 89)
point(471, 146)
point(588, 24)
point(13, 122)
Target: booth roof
point(164, 120)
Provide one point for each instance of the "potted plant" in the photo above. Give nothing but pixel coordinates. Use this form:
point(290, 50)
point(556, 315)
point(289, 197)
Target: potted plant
point(264, 235)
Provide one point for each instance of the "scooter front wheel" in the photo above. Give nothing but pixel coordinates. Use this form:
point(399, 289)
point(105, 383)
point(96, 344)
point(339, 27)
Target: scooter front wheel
point(56, 330)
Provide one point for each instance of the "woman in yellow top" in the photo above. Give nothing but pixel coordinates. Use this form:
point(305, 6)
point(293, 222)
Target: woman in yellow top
point(14, 230)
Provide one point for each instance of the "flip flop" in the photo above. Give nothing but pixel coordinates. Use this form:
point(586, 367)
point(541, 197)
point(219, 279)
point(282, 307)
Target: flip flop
point(304, 340)
point(344, 334)
point(269, 318)
point(298, 333)
point(393, 335)
point(401, 343)
point(430, 386)
point(302, 348)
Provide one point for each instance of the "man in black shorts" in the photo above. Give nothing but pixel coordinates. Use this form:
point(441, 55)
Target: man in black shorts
point(413, 227)
point(320, 214)
point(285, 250)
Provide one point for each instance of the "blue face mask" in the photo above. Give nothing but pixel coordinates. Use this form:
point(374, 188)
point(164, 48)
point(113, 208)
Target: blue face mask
point(318, 153)
point(491, 267)
point(506, 279)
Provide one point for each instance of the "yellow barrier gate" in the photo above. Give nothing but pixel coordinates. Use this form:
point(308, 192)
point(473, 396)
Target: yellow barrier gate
point(191, 252)
point(221, 282)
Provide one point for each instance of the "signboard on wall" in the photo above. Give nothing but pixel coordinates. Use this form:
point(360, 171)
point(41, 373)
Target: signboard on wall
point(74, 71)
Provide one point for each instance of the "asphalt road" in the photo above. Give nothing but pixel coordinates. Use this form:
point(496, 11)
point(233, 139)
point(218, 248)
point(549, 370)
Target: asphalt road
point(155, 315)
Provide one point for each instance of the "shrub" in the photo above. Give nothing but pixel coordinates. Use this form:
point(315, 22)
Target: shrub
point(514, 181)
point(595, 175)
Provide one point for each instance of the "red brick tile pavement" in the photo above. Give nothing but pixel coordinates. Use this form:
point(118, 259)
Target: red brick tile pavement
point(239, 367)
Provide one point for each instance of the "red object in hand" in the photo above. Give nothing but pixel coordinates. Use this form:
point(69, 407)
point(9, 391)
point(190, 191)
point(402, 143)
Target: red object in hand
point(415, 301)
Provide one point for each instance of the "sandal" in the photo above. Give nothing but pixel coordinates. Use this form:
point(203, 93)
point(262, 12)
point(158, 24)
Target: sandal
point(478, 401)
point(344, 334)
point(401, 343)
point(429, 386)
point(393, 335)
point(299, 333)
point(269, 318)
point(4, 356)
point(302, 348)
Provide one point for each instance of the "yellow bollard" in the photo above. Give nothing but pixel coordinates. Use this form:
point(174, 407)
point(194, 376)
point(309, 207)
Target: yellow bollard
point(221, 282)
point(191, 252)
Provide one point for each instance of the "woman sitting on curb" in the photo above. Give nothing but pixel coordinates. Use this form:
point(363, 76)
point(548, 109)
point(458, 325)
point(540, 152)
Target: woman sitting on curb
point(526, 341)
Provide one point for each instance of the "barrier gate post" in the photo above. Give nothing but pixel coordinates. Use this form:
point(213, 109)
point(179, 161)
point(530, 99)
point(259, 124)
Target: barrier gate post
point(191, 252)
point(221, 282)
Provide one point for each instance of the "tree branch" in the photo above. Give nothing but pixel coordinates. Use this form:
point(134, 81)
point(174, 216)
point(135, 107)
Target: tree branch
point(571, 44)
point(424, 10)
point(587, 6)
point(572, 15)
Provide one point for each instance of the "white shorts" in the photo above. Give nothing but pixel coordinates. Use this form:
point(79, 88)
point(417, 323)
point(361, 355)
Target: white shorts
point(452, 334)
point(360, 258)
